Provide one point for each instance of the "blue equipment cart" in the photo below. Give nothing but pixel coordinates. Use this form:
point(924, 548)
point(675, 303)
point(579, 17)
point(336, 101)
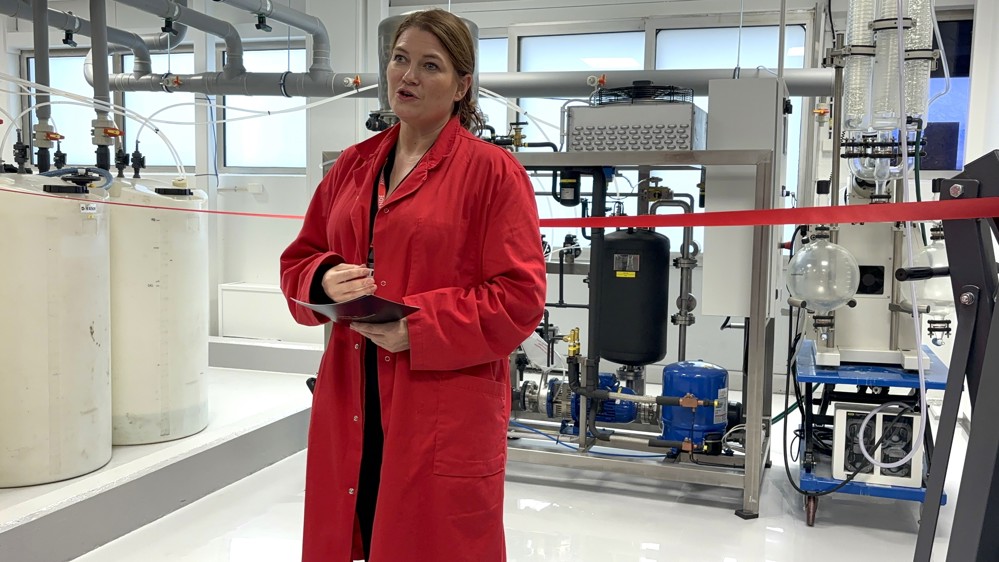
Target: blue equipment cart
point(815, 469)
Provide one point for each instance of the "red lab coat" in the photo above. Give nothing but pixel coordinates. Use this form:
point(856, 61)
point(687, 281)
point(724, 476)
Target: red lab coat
point(459, 238)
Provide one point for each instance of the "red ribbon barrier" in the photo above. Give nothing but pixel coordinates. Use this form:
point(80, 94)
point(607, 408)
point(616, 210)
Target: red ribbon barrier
point(882, 212)
point(886, 212)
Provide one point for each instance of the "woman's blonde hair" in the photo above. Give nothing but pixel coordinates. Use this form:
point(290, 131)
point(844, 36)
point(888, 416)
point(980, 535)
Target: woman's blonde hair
point(457, 40)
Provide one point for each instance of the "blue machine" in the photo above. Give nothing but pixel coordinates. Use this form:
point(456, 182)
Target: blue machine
point(610, 411)
point(706, 382)
point(560, 399)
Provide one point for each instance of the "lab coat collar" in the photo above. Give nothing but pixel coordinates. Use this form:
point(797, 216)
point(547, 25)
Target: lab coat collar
point(378, 146)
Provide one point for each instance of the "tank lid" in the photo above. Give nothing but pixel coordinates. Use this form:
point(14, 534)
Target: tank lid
point(176, 191)
point(66, 189)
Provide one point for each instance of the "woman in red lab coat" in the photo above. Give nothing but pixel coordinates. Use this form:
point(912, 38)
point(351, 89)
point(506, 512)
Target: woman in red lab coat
point(407, 445)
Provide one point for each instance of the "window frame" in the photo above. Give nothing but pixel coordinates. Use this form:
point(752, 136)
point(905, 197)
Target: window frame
point(220, 114)
point(117, 96)
point(24, 101)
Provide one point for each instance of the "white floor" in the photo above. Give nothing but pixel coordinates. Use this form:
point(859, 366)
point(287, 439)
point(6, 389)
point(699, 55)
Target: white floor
point(562, 515)
point(241, 401)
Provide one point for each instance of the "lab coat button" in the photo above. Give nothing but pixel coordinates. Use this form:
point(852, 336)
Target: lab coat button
point(387, 358)
point(356, 418)
point(357, 346)
point(385, 211)
point(384, 283)
point(350, 491)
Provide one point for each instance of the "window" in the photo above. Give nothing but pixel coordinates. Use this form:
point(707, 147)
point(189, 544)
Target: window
point(948, 116)
point(72, 121)
point(270, 141)
point(154, 105)
point(493, 56)
point(595, 52)
point(720, 48)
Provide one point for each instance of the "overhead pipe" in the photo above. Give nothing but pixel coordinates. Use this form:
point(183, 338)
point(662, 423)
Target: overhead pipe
point(104, 129)
point(321, 62)
point(169, 38)
point(807, 82)
point(43, 111)
point(811, 82)
point(175, 12)
point(142, 63)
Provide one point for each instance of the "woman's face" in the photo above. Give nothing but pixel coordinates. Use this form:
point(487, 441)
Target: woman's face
point(422, 82)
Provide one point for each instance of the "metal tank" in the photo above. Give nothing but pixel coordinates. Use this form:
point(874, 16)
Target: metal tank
point(55, 384)
point(384, 117)
point(634, 284)
point(159, 312)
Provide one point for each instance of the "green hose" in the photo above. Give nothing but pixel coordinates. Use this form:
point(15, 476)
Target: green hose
point(780, 417)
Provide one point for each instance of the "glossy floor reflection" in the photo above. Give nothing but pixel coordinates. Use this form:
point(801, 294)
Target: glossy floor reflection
point(562, 515)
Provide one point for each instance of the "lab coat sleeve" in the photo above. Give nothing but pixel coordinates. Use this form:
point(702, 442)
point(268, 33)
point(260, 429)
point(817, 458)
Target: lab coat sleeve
point(309, 252)
point(460, 327)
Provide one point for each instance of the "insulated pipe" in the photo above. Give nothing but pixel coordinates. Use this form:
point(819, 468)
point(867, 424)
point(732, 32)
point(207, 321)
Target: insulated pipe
point(286, 15)
point(214, 26)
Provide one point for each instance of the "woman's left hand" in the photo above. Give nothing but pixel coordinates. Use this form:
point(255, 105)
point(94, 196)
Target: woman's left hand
point(392, 337)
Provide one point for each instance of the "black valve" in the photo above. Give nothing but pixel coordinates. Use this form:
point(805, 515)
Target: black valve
point(59, 157)
point(138, 161)
point(262, 23)
point(121, 161)
point(68, 39)
point(21, 156)
point(168, 27)
point(823, 187)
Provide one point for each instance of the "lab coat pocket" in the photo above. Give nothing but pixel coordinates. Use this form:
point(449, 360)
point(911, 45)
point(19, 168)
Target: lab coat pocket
point(471, 426)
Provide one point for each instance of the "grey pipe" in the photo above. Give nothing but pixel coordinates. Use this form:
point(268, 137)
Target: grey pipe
point(685, 302)
point(214, 26)
point(39, 13)
point(289, 16)
point(142, 64)
point(99, 46)
point(808, 82)
point(165, 41)
point(16, 9)
point(288, 84)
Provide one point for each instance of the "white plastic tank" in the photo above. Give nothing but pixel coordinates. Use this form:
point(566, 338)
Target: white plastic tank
point(159, 312)
point(55, 385)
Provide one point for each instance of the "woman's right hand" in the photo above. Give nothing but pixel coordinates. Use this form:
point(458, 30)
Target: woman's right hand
point(346, 282)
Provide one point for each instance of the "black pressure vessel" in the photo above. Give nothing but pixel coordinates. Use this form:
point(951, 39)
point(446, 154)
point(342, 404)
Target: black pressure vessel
point(634, 288)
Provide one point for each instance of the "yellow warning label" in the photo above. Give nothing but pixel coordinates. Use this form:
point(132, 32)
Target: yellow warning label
point(627, 274)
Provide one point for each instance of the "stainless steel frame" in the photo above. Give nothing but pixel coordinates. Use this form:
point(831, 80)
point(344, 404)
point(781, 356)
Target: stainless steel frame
point(759, 378)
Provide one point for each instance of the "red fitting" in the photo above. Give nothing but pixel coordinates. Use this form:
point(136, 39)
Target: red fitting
point(357, 81)
point(602, 81)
